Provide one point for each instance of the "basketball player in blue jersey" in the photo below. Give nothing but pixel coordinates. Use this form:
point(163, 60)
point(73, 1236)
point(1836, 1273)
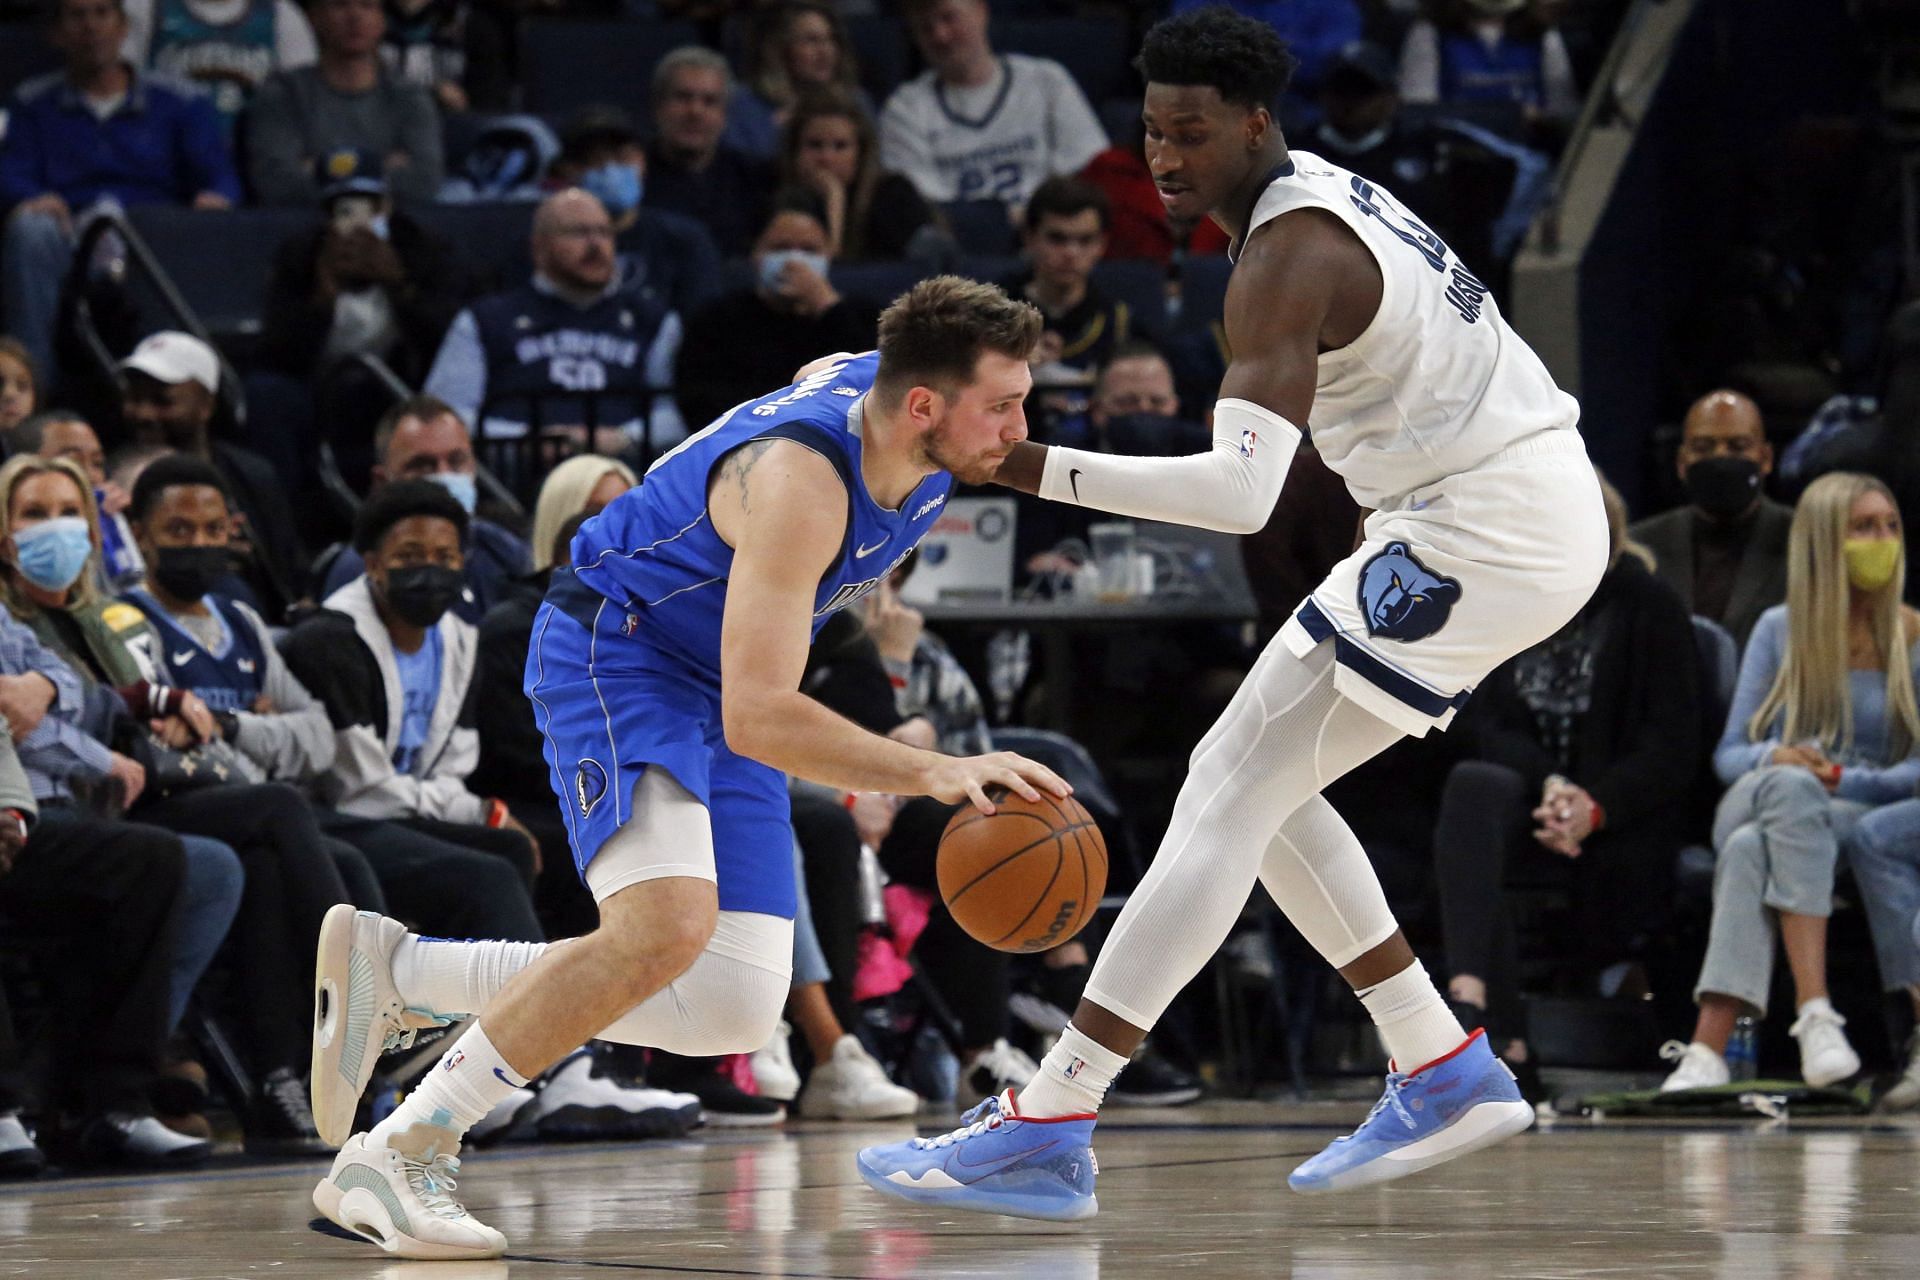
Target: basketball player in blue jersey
point(664, 673)
point(1486, 534)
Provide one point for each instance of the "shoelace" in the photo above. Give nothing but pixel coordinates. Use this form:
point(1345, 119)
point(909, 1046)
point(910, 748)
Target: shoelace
point(290, 1096)
point(988, 1117)
point(1672, 1051)
point(1808, 1021)
point(1391, 1099)
point(432, 1181)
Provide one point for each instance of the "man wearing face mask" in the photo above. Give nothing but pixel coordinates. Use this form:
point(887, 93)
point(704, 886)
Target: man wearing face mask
point(169, 388)
point(1726, 551)
point(422, 438)
point(394, 668)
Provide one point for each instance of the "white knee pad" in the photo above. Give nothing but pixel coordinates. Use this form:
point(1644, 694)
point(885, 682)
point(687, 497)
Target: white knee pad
point(729, 999)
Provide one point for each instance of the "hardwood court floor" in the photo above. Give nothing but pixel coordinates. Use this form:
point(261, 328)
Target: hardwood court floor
point(1196, 1192)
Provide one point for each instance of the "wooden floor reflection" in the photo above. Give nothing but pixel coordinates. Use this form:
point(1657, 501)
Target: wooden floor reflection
point(1197, 1192)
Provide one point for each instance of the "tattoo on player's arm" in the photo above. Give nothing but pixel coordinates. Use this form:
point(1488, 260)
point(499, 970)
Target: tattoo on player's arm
point(740, 462)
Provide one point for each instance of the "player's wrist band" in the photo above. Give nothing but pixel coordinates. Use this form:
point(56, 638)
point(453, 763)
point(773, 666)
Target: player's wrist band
point(497, 813)
point(19, 818)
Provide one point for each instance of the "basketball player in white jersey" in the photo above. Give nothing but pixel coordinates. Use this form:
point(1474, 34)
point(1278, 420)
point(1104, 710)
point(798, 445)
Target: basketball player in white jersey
point(1486, 534)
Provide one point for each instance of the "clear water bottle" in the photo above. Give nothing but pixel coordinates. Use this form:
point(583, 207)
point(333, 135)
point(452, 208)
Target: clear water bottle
point(1743, 1049)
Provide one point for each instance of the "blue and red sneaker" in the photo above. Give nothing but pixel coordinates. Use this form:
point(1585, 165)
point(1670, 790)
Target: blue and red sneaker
point(997, 1161)
point(1452, 1106)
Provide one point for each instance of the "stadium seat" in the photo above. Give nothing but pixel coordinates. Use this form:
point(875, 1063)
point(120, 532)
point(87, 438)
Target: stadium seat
point(566, 65)
point(1203, 292)
point(991, 267)
point(979, 226)
point(1094, 50)
point(877, 283)
point(1142, 285)
point(490, 240)
point(220, 260)
point(23, 55)
point(881, 49)
point(1719, 658)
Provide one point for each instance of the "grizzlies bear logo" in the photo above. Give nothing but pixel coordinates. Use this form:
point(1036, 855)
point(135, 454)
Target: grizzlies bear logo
point(589, 784)
point(1401, 599)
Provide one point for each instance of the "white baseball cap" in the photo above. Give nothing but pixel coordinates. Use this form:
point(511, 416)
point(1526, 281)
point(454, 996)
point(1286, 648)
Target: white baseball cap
point(174, 357)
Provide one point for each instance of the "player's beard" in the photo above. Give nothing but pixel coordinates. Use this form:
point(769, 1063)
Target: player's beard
point(939, 449)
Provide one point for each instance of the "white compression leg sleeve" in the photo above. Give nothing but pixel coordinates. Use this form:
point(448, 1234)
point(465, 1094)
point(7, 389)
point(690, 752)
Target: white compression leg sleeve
point(1286, 735)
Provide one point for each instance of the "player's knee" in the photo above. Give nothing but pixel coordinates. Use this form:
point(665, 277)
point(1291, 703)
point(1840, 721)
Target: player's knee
point(657, 927)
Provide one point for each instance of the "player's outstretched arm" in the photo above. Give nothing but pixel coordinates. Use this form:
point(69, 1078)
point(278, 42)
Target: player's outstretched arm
point(1277, 305)
point(780, 506)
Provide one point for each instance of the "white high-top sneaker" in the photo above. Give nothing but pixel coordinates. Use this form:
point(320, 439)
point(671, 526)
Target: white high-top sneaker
point(357, 1013)
point(852, 1086)
point(1698, 1067)
point(401, 1198)
point(1825, 1056)
point(772, 1063)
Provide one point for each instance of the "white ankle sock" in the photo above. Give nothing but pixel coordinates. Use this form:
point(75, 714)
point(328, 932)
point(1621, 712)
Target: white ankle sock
point(446, 976)
point(1415, 1023)
point(1819, 1004)
point(456, 1093)
point(1073, 1078)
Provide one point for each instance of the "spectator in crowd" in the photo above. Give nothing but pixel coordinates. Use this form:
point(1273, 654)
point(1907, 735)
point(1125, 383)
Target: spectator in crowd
point(98, 133)
point(459, 51)
point(1492, 51)
point(1884, 852)
point(749, 342)
point(227, 47)
point(368, 280)
point(1315, 30)
point(292, 879)
point(828, 145)
point(19, 389)
point(571, 353)
point(1065, 237)
point(169, 389)
point(59, 434)
point(794, 48)
point(61, 874)
point(665, 257)
point(1583, 751)
point(421, 438)
point(346, 102)
point(1139, 226)
point(394, 668)
point(981, 126)
point(693, 173)
point(1823, 730)
point(1725, 552)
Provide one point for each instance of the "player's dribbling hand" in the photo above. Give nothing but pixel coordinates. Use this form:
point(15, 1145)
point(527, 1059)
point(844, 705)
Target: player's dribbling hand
point(955, 779)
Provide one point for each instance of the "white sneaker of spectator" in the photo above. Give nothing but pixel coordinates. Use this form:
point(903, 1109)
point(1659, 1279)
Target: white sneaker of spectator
point(498, 1124)
point(772, 1063)
point(999, 1069)
point(576, 1102)
point(1825, 1056)
point(1905, 1093)
point(852, 1086)
point(1698, 1067)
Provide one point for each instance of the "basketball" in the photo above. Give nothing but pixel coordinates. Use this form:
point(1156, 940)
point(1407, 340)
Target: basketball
point(1026, 878)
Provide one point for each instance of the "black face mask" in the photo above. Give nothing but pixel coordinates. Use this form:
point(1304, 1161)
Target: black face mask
point(1723, 487)
point(422, 593)
point(187, 573)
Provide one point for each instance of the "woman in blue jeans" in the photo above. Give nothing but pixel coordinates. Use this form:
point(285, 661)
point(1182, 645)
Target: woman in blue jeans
point(1821, 737)
point(1884, 851)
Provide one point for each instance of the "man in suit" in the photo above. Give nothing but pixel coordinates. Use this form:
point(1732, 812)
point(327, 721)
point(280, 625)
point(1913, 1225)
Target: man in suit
point(1726, 551)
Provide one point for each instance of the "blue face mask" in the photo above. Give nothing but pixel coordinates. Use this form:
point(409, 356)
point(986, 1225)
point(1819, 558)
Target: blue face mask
point(773, 265)
point(461, 485)
point(615, 185)
point(53, 553)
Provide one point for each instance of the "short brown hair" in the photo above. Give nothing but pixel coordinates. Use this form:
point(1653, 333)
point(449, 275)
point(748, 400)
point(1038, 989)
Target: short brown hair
point(424, 407)
point(934, 334)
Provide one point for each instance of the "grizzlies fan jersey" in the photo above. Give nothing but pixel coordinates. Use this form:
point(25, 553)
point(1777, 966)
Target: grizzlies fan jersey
point(654, 552)
point(227, 680)
point(1438, 383)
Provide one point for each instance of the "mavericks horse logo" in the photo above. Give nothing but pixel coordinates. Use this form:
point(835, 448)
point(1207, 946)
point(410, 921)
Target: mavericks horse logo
point(589, 784)
point(1401, 599)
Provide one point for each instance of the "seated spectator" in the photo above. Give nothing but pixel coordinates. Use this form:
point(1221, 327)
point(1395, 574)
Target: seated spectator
point(978, 125)
point(422, 439)
point(1583, 750)
point(53, 530)
point(828, 145)
point(1496, 51)
point(1884, 852)
point(693, 173)
point(1140, 226)
point(750, 341)
point(459, 51)
point(169, 389)
point(226, 47)
point(666, 258)
point(369, 280)
point(345, 102)
point(1823, 731)
point(1725, 552)
point(99, 132)
point(1065, 238)
point(406, 761)
point(1315, 30)
point(795, 48)
point(19, 389)
point(569, 355)
point(56, 434)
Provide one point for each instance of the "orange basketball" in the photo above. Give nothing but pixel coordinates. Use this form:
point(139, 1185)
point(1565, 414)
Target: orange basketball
point(1026, 878)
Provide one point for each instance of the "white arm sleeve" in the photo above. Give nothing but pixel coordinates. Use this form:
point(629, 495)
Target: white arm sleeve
point(1232, 489)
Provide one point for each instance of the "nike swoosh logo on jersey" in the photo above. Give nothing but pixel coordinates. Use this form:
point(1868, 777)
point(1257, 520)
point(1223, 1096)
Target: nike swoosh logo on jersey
point(861, 553)
point(1073, 479)
point(182, 659)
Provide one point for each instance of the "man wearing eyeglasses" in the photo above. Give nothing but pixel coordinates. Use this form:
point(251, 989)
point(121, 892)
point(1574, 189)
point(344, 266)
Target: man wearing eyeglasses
point(1725, 552)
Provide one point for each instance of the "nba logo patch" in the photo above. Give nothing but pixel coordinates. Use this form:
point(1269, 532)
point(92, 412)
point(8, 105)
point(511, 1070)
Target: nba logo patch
point(589, 784)
point(455, 1059)
point(629, 625)
point(1248, 438)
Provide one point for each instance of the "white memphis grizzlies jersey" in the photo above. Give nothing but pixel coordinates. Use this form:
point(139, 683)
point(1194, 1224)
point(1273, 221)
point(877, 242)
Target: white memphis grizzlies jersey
point(1439, 382)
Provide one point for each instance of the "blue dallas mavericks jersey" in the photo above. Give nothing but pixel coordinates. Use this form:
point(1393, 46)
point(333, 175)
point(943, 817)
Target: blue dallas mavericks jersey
point(654, 552)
